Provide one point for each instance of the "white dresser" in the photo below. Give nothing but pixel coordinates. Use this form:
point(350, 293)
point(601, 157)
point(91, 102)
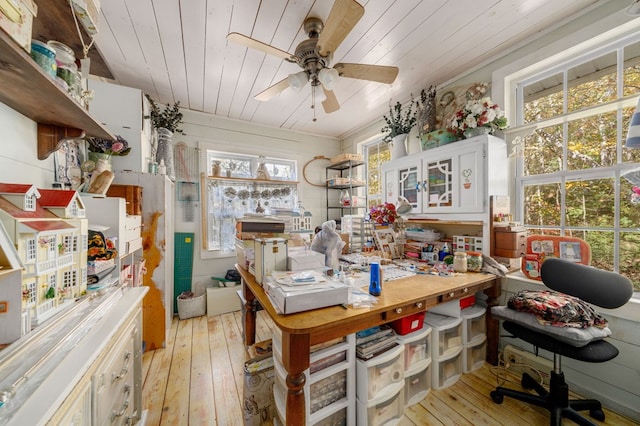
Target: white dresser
point(83, 367)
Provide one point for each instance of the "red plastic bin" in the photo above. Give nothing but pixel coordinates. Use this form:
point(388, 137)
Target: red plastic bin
point(468, 301)
point(408, 324)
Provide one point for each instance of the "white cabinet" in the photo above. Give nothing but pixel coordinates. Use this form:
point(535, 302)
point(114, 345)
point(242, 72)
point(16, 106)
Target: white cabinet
point(69, 358)
point(123, 110)
point(454, 178)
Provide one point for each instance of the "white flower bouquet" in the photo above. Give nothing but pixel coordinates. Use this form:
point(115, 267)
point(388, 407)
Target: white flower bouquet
point(478, 114)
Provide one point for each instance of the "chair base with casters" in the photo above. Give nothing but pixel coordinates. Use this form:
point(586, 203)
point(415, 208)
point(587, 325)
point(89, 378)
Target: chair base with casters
point(602, 288)
point(556, 399)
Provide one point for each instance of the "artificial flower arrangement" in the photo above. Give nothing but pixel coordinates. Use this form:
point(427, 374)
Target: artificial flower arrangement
point(384, 214)
point(399, 122)
point(119, 147)
point(478, 113)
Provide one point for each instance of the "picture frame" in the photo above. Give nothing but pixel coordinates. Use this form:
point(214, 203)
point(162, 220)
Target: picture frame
point(67, 163)
point(385, 240)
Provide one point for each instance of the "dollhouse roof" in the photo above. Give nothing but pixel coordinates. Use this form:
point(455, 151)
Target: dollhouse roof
point(44, 225)
point(17, 213)
point(18, 188)
point(57, 198)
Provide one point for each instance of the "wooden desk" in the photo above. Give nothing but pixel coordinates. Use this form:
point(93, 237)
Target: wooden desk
point(399, 298)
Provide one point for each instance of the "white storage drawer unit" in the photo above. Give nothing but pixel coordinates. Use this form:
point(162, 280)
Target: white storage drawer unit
point(387, 409)
point(446, 334)
point(474, 355)
point(446, 371)
point(417, 346)
point(474, 325)
point(377, 375)
point(417, 383)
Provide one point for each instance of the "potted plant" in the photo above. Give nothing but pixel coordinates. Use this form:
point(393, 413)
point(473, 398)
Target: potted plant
point(398, 125)
point(166, 122)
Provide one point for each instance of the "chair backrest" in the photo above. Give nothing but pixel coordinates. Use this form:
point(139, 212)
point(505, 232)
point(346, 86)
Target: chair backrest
point(603, 288)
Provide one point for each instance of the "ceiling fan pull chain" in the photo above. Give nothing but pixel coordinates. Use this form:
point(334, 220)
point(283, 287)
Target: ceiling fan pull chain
point(313, 102)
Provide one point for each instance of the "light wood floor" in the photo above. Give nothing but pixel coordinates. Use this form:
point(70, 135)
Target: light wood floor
point(197, 380)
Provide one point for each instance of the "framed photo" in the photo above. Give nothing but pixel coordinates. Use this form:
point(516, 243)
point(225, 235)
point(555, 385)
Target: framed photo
point(386, 241)
point(67, 161)
point(570, 251)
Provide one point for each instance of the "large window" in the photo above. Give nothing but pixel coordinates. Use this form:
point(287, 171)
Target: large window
point(570, 165)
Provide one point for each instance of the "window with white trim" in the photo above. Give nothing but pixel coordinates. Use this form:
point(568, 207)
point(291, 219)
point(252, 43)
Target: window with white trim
point(571, 161)
point(31, 249)
point(31, 292)
point(235, 191)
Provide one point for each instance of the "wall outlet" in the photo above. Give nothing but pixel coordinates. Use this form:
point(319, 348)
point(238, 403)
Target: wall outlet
point(519, 361)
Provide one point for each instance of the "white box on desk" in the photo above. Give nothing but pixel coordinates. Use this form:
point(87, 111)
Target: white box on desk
point(289, 302)
point(300, 259)
point(270, 255)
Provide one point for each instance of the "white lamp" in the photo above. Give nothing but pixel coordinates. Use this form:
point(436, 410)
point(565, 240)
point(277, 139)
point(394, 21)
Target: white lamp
point(328, 77)
point(633, 9)
point(633, 136)
point(298, 80)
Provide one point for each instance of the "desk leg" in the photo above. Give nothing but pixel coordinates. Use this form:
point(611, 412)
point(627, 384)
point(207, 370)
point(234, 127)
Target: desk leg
point(295, 359)
point(493, 325)
point(249, 315)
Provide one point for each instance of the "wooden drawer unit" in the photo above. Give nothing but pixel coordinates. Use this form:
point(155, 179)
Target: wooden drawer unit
point(403, 311)
point(510, 244)
point(454, 294)
point(132, 195)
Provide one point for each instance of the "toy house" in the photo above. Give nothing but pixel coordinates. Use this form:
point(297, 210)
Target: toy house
point(49, 233)
point(10, 290)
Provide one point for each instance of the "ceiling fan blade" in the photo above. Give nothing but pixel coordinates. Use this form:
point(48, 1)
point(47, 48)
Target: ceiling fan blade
point(379, 73)
point(344, 15)
point(258, 45)
point(270, 92)
point(330, 104)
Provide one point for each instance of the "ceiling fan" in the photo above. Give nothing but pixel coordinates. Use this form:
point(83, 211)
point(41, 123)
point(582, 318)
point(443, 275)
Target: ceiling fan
point(314, 56)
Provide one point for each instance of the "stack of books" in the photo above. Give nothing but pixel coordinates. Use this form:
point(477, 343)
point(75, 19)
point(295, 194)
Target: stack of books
point(374, 341)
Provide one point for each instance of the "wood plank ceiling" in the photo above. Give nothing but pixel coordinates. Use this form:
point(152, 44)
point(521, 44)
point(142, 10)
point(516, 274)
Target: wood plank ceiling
point(178, 51)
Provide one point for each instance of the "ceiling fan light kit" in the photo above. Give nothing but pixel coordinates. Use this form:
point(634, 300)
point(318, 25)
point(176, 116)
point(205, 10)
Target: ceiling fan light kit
point(314, 56)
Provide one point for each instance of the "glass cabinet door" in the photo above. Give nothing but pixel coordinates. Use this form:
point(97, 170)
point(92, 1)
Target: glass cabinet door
point(409, 184)
point(439, 183)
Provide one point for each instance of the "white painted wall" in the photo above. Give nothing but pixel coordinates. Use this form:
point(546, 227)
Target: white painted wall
point(19, 154)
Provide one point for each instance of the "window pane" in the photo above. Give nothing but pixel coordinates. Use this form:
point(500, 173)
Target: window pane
point(629, 205)
point(543, 151)
point(376, 155)
point(631, 72)
point(590, 203)
point(629, 255)
point(592, 142)
point(592, 83)
point(601, 244)
point(542, 205)
point(543, 99)
point(629, 155)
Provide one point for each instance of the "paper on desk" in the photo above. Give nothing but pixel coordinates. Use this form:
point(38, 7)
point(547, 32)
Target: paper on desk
point(298, 278)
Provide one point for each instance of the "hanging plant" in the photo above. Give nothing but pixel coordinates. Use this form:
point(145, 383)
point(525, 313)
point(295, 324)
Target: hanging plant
point(169, 118)
point(51, 293)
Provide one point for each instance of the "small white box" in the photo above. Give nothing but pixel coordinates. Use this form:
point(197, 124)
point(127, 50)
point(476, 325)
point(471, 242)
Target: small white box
point(289, 302)
point(270, 255)
point(302, 260)
point(378, 375)
point(221, 300)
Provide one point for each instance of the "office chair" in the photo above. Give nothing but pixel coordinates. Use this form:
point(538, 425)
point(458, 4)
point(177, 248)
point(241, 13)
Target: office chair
point(598, 287)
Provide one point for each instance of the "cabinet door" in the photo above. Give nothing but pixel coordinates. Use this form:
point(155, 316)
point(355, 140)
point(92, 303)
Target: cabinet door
point(403, 179)
point(454, 179)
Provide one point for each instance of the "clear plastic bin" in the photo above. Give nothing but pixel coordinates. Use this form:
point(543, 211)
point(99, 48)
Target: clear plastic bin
point(474, 326)
point(447, 371)
point(417, 385)
point(387, 409)
point(417, 346)
point(375, 376)
point(474, 355)
point(446, 335)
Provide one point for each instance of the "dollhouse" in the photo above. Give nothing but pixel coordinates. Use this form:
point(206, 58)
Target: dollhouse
point(49, 232)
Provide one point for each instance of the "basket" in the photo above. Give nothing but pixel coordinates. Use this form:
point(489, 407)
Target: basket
point(345, 157)
point(190, 307)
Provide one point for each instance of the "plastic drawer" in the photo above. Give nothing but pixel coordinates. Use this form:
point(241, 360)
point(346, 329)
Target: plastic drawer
point(417, 385)
point(474, 355)
point(446, 371)
point(417, 346)
point(386, 410)
point(376, 375)
point(446, 335)
point(474, 325)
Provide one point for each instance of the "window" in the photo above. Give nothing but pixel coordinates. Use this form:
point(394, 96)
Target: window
point(29, 203)
point(68, 279)
point(31, 292)
point(31, 249)
point(235, 192)
point(375, 154)
point(570, 166)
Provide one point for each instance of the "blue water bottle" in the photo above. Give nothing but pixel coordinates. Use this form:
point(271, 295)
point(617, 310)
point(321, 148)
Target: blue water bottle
point(375, 286)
